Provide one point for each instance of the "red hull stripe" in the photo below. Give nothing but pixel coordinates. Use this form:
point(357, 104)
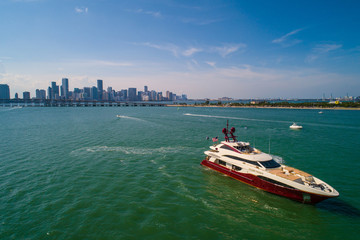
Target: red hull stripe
point(255, 181)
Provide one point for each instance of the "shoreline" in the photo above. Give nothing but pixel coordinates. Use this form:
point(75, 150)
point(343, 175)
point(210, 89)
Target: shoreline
point(264, 107)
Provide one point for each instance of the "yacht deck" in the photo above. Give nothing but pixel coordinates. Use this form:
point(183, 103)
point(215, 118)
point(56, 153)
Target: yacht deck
point(289, 173)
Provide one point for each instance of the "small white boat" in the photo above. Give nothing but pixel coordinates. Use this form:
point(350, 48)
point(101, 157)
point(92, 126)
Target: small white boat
point(320, 112)
point(118, 116)
point(295, 126)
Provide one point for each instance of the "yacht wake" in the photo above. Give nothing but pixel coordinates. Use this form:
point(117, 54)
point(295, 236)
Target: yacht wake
point(132, 118)
point(127, 150)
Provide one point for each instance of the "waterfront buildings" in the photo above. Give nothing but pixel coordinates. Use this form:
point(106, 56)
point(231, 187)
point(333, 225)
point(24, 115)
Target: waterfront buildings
point(40, 94)
point(4, 91)
point(53, 91)
point(100, 89)
point(132, 94)
point(94, 93)
point(26, 95)
point(65, 88)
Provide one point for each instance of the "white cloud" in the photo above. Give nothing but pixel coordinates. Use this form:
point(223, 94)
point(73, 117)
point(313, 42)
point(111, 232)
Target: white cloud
point(223, 51)
point(325, 48)
point(321, 50)
point(151, 13)
point(228, 49)
point(200, 22)
point(110, 63)
point(212, 64)
point(81, 9)
point(191, 51)
point(285, 40)
point(286, 36)
point(166, 47)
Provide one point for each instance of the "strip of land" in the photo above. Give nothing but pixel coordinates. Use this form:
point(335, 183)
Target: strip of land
point(280, 105)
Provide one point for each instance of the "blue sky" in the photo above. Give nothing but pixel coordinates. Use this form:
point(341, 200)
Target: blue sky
point(206, 49)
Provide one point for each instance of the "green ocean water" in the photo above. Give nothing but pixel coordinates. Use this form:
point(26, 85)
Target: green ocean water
point(83, 173)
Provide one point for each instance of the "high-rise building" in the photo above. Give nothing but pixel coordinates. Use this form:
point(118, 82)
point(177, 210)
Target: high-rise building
point(100, 89)
point(153, 95)
point(65, 88)
point(132, 94)
point(16, 96)
point(26, 95)
point(40, 94)
point(123, 94)
point(139, 95)
point(145, 89)
point(94, 93)
point(4, 91)
point(110, 94)
point(37, 93)
point(76, 93)
point(54, 91)
point(170, 96)
point(50, 92)
point(87, 93)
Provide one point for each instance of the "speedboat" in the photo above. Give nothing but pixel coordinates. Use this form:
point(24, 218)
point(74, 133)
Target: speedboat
point(247, 164)
point(295, 126)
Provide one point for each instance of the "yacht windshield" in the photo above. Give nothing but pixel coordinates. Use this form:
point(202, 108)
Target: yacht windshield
point(270, 164)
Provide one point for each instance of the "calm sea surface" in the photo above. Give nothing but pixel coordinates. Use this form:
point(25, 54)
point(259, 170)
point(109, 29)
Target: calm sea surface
point(83, 173)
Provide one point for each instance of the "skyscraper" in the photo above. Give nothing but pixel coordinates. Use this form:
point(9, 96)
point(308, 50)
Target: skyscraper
point(87, 93)
point(100, 89)
point(132, 94)
point(145, 89)
point(26, 95)
point(65, 88)
point(40, 94)
point(4, 91)
point(123, 94)
point(50, 92)
point(94, 93)
point(54, 91)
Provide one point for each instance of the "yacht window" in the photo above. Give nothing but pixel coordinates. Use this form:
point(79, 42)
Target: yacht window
point(240, 159)
point(236, 168)
point(270, 164)
point(245, 149)
point(222, 163)
point(227, 147)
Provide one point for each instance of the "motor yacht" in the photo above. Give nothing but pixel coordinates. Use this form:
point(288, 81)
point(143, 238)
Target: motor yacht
point(295, 126)
point(247, 164)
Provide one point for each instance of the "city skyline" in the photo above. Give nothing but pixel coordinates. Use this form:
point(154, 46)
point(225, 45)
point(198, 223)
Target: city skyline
point(237, 49)
point(91, 93)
